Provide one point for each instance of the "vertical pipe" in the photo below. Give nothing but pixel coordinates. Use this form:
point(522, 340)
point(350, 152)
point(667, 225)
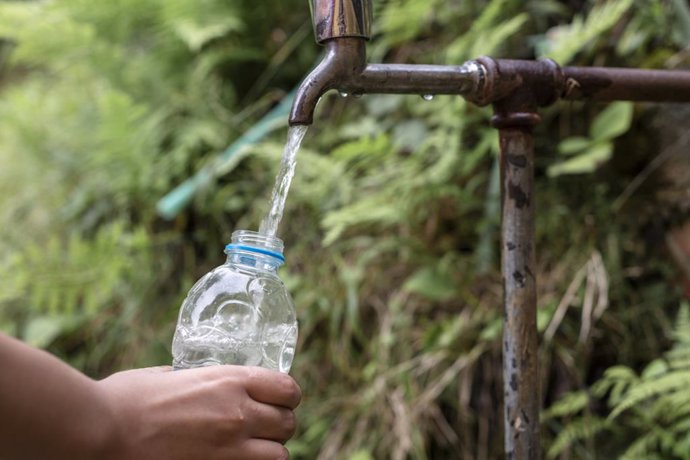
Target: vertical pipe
point(520, 346)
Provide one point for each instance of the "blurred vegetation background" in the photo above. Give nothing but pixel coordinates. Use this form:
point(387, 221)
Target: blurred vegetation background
point(391, 223)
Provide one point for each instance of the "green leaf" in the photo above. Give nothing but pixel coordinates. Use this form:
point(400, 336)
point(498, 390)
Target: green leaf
point(585, 163)
point(8, 328)
point(361, 455)
point(196, 36)
point(573, 145)
point(42, 330)
point(655, 369)
point(492, 330)
point(683, 18)
point(585, 428)
point(489, 41)
point(563, 42)
point(664, 385)
point(612, 122)
point(409, 134)
point(373, 210)
point(570, 404)
point(431, 283)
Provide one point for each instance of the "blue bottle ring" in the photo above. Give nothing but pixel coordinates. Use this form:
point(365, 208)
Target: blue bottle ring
point(266, 252)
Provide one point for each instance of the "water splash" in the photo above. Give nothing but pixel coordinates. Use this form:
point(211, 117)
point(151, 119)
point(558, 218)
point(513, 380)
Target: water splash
point(269, 226)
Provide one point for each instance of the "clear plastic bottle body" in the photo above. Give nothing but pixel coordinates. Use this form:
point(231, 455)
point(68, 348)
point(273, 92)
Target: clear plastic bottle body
point(239, 313)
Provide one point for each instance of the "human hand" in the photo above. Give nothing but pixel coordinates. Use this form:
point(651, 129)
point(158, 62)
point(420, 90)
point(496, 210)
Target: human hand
point(208, 413)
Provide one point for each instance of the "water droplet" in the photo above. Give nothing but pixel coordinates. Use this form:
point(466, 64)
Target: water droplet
point(343, 94)
point(356, 95)
point(427, 97)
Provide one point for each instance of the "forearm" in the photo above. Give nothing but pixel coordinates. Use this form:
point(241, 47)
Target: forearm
point(47, 409)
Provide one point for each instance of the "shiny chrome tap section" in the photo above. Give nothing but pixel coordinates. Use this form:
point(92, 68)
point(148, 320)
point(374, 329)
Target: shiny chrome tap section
point(341, 18)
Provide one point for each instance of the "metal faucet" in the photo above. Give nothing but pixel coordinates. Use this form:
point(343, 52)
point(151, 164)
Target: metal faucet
point(516, 89)
point(344, 26)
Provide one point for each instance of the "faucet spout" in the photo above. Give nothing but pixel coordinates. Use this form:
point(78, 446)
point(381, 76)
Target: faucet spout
point(344, 61)
point(342, 26)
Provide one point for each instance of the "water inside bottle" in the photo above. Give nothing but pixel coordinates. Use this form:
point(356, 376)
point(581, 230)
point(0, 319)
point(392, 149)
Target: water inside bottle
point(236, 317)
point(207, 345)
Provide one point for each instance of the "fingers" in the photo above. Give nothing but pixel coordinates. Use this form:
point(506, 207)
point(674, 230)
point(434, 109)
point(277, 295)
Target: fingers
point(261, 449)
point(271, 387)
point(271, 422)
point(262, 385)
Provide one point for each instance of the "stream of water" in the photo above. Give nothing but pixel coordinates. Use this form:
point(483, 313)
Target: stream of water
point(269, 226)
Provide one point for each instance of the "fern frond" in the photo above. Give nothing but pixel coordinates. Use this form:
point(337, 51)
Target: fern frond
point(642, 448)
point(678, 358)
point(584, 428)
point(616, 380)
point(565, 42)
point(651, 388)
point(681, 331)
point(671, 407)
point(487, 33)
point(681, 426)
point(570, 404)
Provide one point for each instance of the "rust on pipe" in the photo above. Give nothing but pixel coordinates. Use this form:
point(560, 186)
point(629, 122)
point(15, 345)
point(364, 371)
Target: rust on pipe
point(616, 84)
point(522, 400)
point(517, 89)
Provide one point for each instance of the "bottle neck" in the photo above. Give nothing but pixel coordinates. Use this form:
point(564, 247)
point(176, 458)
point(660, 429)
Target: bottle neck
point(254, 250)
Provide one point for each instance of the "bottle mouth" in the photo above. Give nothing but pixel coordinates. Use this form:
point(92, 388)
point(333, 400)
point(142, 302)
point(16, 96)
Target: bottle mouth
point(259, 243)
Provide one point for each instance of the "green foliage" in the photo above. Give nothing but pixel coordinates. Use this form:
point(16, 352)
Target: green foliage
point(575, 431)
point(563, 43)
point(391, 224)
point(587, 154)
point(111, 106)
point(654, 406)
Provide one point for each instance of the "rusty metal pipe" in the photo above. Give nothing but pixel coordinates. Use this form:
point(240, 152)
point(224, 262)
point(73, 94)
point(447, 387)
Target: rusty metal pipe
point(516, 90)
point(521, 396)
point(417, 79)
point(616, 84)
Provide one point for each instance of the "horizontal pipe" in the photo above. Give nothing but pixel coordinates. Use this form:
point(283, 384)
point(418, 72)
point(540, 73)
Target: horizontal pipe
point(616, 84)
point(416, 79)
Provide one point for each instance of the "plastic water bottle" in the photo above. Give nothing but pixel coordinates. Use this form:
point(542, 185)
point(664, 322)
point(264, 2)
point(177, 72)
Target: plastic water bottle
point(239, 313)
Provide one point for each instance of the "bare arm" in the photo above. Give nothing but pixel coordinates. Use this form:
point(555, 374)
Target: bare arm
point(49, 410)
point(48, 407)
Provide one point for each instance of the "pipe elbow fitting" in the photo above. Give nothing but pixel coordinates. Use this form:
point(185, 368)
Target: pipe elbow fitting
point(345, 60)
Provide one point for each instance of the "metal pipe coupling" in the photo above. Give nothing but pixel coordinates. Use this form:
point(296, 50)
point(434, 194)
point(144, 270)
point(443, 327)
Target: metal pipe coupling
point(341, 18)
